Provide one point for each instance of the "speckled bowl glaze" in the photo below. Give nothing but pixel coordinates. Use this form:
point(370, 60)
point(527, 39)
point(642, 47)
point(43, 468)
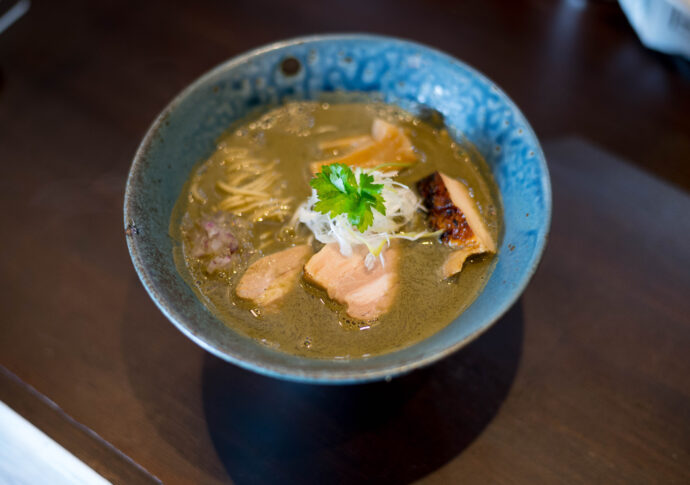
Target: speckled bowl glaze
point(401, 72)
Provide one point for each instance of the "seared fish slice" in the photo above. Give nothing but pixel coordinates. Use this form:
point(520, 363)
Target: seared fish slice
point(452, 209)
point(386, 144)
point(270, 278)
point(367, 293)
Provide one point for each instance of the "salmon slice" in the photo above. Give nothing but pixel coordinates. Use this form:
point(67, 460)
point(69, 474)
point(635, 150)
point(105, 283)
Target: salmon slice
point(347, 142)
point(367, 293)
point(452, 209)
point(272, 277)
point(386, 144)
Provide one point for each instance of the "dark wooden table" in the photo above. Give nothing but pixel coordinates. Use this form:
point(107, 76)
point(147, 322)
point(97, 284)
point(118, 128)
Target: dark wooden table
point(585, 380)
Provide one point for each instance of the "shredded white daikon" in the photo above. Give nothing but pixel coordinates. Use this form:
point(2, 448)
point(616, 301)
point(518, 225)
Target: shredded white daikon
point(401, 204)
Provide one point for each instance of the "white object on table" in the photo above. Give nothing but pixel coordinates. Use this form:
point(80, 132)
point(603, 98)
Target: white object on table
point(13, 13)
point(662, 25)
point(30, 457)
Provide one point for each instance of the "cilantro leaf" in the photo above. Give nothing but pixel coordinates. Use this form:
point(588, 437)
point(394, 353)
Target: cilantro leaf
point(340, 193)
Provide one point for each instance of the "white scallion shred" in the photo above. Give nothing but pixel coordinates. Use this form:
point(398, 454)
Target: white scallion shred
point(401, 204)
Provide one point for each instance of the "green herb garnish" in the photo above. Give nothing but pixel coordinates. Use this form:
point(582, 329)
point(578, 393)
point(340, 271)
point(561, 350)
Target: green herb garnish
point(340, 193)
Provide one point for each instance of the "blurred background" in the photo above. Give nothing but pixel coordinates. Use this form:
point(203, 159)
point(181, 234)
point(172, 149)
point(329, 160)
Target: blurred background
point(573, 66)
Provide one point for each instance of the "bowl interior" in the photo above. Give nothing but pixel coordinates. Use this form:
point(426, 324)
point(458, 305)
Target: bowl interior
point(400, 72)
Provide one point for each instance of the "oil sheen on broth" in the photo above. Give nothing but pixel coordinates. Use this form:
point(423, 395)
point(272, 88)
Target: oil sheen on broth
point(309, 323)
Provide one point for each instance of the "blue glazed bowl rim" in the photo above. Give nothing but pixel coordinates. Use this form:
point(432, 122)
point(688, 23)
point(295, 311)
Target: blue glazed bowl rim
point(340, 376)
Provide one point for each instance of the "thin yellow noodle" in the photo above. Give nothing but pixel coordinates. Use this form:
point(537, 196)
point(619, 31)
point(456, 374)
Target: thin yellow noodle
point(250, 183)
point(223, 206)
point(228, 204)
point(233, 206)
point(268, 183)
point(261, 203)
point(257, 186)
point(238, 202)
point(237, 190)
point(243, 199)
point(194, 189)
point(271, 213)
point(253, 184)
point(238, 178)
point(263, 177)
point(292, 224)
point(234, 199)
point(242, 205)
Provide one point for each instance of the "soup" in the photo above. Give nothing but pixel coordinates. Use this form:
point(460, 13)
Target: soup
point(337, 230)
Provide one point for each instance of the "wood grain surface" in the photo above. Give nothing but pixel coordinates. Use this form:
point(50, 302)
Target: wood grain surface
point(585, 380)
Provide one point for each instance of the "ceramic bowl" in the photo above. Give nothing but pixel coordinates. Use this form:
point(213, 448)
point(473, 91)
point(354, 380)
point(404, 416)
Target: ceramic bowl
point(398, 71)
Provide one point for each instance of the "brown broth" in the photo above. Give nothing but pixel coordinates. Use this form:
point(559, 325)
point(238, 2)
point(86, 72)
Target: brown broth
point(308, 323)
